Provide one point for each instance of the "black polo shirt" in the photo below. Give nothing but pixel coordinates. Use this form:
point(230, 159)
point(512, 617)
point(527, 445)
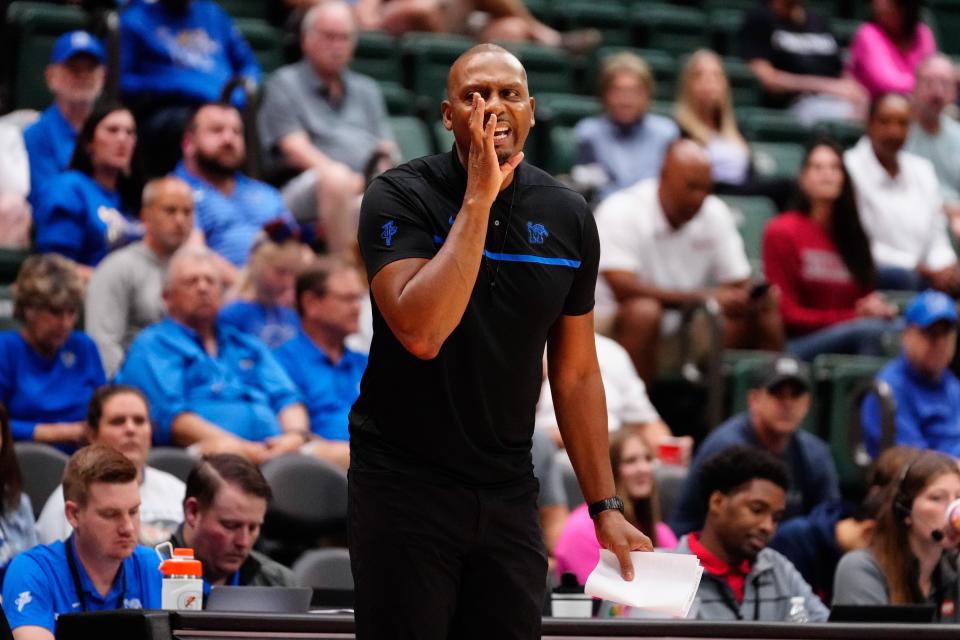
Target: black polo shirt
point(467, 415)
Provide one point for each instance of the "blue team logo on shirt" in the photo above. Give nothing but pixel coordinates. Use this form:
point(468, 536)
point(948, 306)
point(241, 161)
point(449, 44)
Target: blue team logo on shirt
point(536, 233)
point(389, 230)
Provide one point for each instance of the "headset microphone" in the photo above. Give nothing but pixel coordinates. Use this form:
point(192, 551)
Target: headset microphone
point(936, 535)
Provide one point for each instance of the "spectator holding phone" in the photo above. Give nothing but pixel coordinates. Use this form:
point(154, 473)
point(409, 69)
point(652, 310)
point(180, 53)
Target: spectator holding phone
point(819, 257)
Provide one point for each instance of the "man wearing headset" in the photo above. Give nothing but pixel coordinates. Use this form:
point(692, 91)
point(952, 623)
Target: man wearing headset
point(101, 566)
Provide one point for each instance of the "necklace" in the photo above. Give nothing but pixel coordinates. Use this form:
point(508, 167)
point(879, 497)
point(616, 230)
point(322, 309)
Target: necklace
point(494, 272)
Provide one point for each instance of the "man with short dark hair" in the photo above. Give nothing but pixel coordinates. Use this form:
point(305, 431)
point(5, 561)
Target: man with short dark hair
point(925, 390)
point(231, 207)
point(223, 509)
point(100, 567)
point(317, 359)
point(777, 404)
point(743, 493)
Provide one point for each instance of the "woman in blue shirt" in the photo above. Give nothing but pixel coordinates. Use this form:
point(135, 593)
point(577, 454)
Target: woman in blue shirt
point(48, 371)
point(17, 532)
point(91, 208)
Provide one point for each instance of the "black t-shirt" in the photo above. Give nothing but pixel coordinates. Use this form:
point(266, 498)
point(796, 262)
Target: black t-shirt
point(808, 48)
point(467, 415)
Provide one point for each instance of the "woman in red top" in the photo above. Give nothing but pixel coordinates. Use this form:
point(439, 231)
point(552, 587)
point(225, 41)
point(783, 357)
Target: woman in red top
point(819, 257)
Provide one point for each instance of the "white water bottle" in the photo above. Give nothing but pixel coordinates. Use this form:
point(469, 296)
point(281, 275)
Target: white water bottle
point(798, 610)
point(182, 581)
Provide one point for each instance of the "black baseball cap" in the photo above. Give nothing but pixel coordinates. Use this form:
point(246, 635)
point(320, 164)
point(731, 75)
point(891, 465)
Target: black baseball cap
point(784, 368)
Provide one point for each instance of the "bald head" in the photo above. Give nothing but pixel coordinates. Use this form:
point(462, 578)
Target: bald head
point(167, 214)
point(484, 51)
point(328, 36)
point(936, 87)
point(685, 181)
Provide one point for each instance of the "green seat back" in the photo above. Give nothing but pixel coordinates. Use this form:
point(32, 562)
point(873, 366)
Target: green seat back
point(413, 137)
point(256, 9)
point(672, 28)
point(771, 125)
point(427, 59)
point(610, 18)
point(777, 159)
point(265, 40)
point(10, 261)
point(377, 55)
point(566, 109)
point(400, 101)
point(563, 150)
point(548, 69)
point(752, 214)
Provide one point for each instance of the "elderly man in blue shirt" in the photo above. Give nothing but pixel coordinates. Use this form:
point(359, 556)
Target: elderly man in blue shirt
point(325, 370)
point(211, 387)
point(926, 392)
point(100, 566)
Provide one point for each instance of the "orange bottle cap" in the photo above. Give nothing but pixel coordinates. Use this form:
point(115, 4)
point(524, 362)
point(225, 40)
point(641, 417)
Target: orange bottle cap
point(183, 552)
point(176, 567)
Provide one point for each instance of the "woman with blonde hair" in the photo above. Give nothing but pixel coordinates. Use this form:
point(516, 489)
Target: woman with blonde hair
point(704, 111)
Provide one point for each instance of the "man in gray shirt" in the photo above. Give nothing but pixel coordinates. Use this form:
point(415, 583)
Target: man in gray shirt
point(326, 123)
point(124, 294)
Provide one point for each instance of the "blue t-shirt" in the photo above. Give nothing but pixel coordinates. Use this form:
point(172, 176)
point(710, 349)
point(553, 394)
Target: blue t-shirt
point(49, 142)
point(272, 325)
point(231, 222)
point(36, 389)
point(329, 389)
point(81, 220)
point(187, 59)
point(927, 414)
point(39, 586)
point(241, 390)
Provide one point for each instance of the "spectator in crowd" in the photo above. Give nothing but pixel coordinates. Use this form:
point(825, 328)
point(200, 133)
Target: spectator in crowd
point(91, 209)
point(814, 543)
point(223, 511)
point(210, 387)
point(266, 288)
point(819, 258)
point(175, 55)
point(886, 51)
point(101, 566)
point(327, 372)
point(900, 205)
point(668, 245)
point(16, 511)
point(628, 404)
point(125, 292)
point(777, 404)
point(14, 186)
point(626, 142)
point(325, 124)
point(118, 417)
point(48, 371)
point(231, 207)
point(75, 77)
point(926, 391)
point(633, 459)
point(910, 558)
point(704, 111)
point(743, 494)
point(796, 58)
point(934, 135)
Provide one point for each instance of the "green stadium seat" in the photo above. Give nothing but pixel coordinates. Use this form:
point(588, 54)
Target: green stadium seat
point(563, 150)
point(672, 28)
point(662, 64)
point(777, 159)
point(413, 137)
point(742, 5)
point(427, 59)
point(740, 366)
point(771, 125)
point(752, 214)
point(256, 9)
point(845, 132)
point(443, 139)
point(548, 69)
point(724, 26)
point(610, 18)
point(377, 56)
point(10, 261)
point(744, 86)
point(565, 108)
point(400, 101)
point(265, 40)
point(32, 28)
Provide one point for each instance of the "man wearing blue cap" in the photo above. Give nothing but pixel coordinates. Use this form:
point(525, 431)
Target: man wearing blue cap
point(927, 393)
point(75, 77)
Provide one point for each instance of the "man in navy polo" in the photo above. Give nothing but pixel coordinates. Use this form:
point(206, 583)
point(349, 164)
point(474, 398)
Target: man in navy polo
point(75, 77)
point(317, 359)
point(99, 567)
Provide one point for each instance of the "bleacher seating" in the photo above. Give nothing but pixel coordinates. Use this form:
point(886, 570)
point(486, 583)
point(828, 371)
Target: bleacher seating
point(265, 40)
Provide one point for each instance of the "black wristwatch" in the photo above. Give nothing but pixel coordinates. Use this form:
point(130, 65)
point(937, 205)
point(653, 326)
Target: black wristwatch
point(603, 505)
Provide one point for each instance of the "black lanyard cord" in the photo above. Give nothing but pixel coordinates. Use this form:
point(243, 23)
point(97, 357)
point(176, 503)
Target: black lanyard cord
point(78, 586)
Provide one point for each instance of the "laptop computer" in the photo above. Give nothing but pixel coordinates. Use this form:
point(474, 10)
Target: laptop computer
point(260, 599)
point(905, 613)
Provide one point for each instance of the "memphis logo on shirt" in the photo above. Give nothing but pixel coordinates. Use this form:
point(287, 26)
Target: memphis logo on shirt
point(191, 48)
point(536, 233)
point(23, 600)
point(389, 230)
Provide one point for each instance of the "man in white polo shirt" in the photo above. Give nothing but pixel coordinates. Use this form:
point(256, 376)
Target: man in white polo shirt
point(667, 245)
point(900, 205)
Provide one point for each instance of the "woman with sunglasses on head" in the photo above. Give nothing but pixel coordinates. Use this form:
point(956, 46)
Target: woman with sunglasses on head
point(911, 558)
point(48, 371)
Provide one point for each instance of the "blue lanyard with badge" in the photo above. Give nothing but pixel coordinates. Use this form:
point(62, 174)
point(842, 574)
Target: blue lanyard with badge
point(78, 586)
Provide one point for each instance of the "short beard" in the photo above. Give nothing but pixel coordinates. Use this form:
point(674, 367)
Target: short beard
point(210, 165)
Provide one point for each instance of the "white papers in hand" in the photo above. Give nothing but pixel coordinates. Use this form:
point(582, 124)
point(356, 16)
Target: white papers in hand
point(664, 583)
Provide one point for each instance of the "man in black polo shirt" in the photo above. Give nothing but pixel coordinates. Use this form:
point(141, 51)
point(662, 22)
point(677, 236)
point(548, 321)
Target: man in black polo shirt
point(472, 271)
